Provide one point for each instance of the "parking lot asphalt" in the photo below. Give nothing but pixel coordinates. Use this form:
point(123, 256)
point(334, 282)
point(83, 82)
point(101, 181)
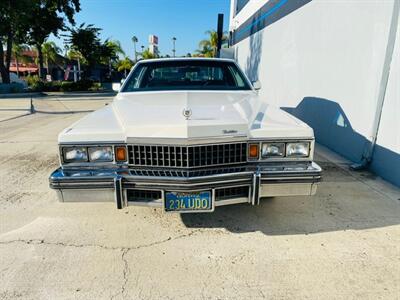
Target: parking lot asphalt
point(343, 243)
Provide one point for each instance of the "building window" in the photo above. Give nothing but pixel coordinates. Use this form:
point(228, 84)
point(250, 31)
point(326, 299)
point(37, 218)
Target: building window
point(240, 4)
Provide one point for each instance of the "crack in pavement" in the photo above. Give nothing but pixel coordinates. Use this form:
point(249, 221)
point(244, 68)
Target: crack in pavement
point(126, 269)
point(42, 241)
point(125, 272)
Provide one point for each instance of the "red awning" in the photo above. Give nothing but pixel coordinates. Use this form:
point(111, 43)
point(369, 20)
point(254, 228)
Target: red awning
point(23, 69)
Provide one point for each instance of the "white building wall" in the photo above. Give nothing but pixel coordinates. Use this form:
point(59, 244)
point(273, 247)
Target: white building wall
point(323, 62)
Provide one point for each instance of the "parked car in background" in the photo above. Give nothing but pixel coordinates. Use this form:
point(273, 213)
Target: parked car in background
point(186, 135)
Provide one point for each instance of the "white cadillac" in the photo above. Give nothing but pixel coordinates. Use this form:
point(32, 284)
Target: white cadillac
point(186, 135)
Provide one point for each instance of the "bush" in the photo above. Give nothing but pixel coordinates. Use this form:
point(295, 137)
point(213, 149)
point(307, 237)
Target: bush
point(53, 86)
point(96, 86)
point(35, 83)
point(81, 85)
point(67, 86)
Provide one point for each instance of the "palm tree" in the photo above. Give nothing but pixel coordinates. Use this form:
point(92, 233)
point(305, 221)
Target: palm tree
point(76, 55)
point(124, 65)
point(205, 51)
point(110, 52)
point(135, 40)
point(146, 54)
point(208, 47)
point(85, 39)
point(17, 51)
point(50, 53)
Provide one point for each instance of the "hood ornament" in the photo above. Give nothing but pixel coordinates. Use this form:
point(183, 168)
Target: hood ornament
point(187, 112)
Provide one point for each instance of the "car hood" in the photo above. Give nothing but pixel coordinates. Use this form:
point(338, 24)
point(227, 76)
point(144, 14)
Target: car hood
point(158, 117)
point(162, 114)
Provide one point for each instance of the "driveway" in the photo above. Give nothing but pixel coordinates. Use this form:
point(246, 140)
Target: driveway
point(343, 243)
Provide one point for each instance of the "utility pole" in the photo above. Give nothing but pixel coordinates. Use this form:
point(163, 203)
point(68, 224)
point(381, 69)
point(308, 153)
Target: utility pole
point(220, 28)
point(173, 46)
point(135, 40)
point(142, 50)
point(79, 69)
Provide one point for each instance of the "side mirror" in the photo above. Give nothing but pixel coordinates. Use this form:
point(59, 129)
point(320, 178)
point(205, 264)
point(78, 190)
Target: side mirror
point(116, 86)
point(256, 85)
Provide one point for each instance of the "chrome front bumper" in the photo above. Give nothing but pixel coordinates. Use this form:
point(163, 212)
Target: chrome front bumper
point(255, 181)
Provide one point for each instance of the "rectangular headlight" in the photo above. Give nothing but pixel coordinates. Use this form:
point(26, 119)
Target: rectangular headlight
point(75, 154)
point(301, 149)
point(272, 150)
point(101, 154)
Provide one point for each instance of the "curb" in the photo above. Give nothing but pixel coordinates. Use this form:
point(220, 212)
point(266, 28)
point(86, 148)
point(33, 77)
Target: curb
point(22, 95)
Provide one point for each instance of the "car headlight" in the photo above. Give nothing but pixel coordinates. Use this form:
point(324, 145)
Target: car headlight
point(298, 149)
point(100, 154)
point(272, 150)
point(75, 154)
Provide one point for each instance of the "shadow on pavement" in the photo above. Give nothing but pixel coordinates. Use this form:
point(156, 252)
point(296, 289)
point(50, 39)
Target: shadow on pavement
point(342, 202)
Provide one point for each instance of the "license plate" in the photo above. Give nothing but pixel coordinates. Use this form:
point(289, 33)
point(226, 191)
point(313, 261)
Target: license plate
point(188, 201)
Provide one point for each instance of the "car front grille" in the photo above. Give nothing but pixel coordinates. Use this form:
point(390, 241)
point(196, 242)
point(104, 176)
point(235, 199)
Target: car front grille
point(187, 156)
point(136, 195)
point(232, 192)
point(143, 195)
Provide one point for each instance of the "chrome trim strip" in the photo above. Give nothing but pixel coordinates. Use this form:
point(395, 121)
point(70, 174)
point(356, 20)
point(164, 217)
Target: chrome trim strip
point(118, 191)
point(256, 188)
point(231, 201)
point(185, 186)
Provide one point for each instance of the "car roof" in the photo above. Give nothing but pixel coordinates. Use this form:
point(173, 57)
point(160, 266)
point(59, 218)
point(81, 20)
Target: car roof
point(185, 59)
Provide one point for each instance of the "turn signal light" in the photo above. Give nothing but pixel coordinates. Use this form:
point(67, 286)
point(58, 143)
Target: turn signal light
point(120, 154)
point(253, 151)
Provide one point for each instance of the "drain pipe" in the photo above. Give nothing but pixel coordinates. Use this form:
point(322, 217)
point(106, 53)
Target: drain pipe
point(368, 153)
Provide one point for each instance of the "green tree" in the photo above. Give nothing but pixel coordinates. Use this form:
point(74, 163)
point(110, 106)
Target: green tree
point(85, 40)
point(134, 41)
point(47, 17)
point(14, 23)
point(147, 54)
point(208, 47)
point(124, 65)
point(76, 55)
point(109, 53)
point(205, 51)
point(18, 54)
point(50, 53)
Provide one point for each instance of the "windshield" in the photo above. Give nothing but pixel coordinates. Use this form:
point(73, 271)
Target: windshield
point(186, 75)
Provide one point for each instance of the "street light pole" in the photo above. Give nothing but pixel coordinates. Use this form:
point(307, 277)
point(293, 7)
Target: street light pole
point(173, 46)
point(135, 40)
point(142, 50)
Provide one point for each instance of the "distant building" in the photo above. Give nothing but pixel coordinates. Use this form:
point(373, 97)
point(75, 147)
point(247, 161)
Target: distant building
point(153, 44)
point(27, 64)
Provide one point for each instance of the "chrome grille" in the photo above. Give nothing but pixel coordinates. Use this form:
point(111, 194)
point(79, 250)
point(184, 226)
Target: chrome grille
point(187, 156)
point(232, 192)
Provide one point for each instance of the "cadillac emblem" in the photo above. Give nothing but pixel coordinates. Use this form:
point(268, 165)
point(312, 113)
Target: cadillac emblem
point(187, 112)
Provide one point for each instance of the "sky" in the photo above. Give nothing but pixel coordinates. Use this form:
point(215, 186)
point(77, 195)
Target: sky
point(187, 20)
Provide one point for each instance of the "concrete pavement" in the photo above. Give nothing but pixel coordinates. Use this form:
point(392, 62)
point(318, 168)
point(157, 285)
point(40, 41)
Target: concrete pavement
point(343, 243)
